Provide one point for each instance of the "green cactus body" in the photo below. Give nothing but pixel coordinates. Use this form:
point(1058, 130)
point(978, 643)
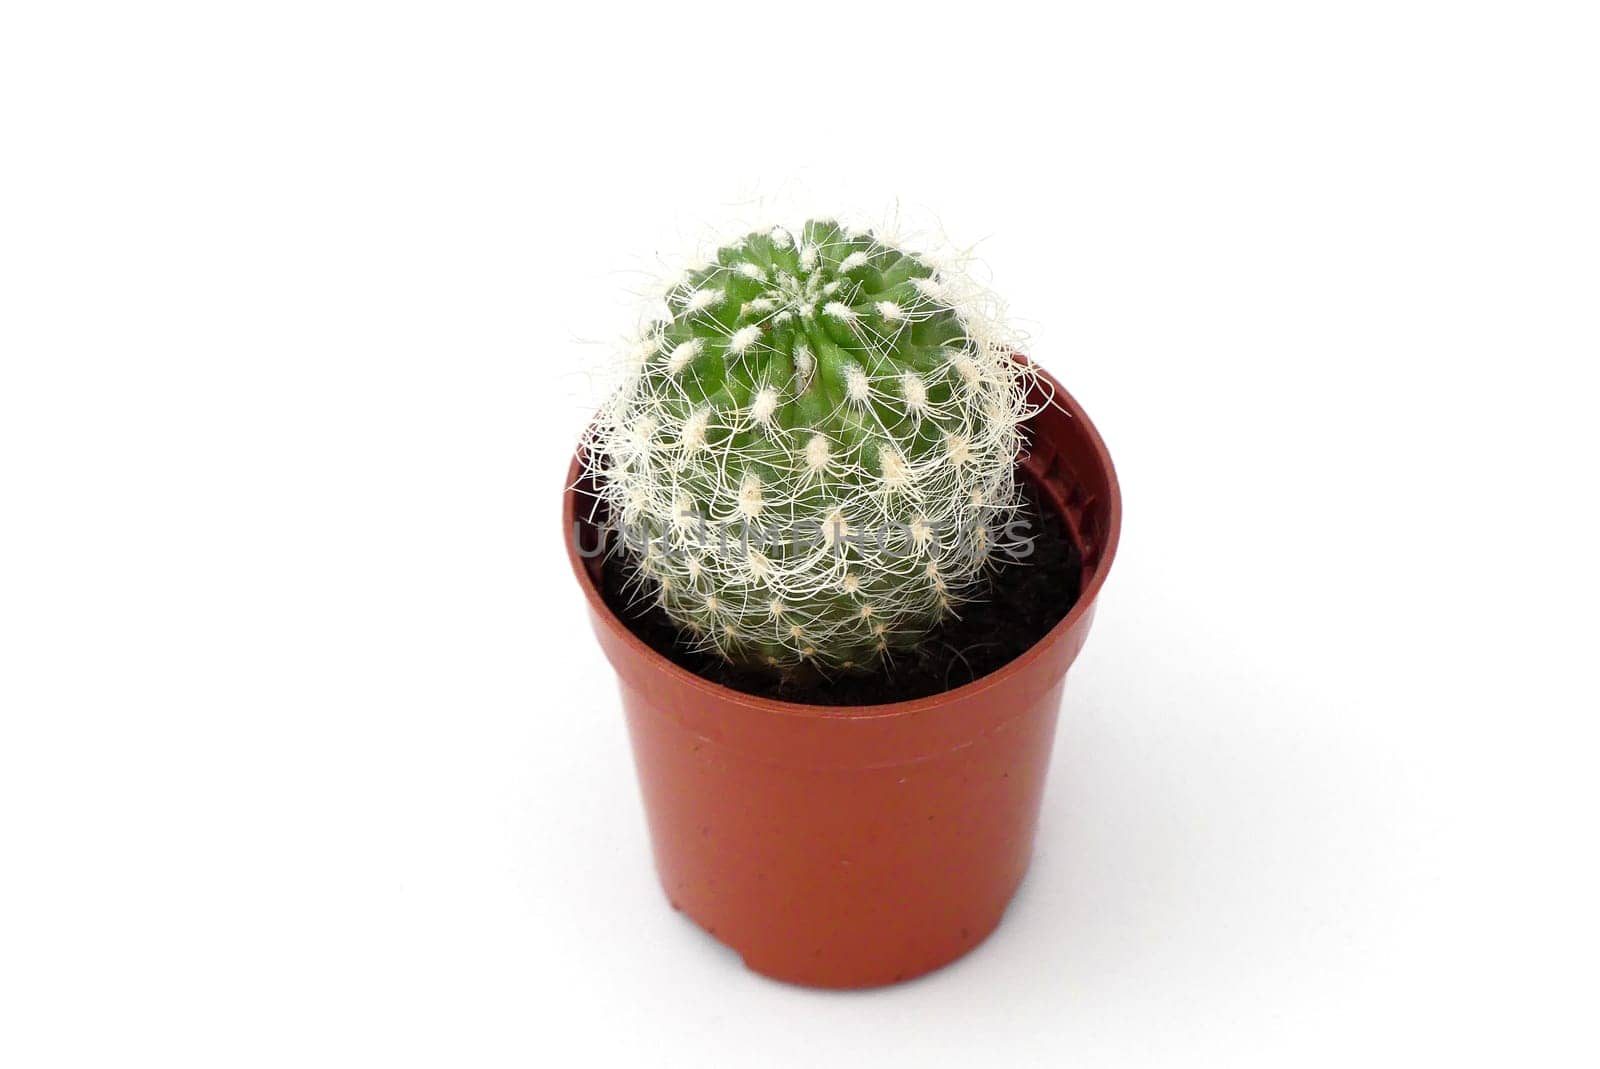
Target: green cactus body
point(819, 446)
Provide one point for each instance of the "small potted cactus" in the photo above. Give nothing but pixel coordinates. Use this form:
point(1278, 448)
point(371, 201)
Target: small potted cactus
point(820, 487)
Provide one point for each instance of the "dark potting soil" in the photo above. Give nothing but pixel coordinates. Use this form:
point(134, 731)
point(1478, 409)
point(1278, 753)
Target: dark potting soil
point(1027, 598)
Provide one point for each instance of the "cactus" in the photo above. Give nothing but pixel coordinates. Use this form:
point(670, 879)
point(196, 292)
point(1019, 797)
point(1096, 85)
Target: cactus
point(812, 457)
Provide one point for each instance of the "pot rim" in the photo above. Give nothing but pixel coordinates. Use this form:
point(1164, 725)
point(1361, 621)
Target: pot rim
point(1059, 397)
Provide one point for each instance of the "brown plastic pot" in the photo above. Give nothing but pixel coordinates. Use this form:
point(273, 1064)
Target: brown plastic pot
point(858, 846)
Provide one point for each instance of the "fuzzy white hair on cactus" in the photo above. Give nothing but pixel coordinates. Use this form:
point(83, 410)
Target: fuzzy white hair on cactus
point(857, 386)
point(701, 299)
point(743, 338)
point(682, 354)
point(695, 423)
point(818, 453)
point(764, 405)
point(915, 391)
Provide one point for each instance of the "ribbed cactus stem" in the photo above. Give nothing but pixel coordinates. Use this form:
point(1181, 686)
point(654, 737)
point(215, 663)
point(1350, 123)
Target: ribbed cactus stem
point(813, 453)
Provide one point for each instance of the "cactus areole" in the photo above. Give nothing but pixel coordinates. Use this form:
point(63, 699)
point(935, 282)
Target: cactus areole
point(812, 456)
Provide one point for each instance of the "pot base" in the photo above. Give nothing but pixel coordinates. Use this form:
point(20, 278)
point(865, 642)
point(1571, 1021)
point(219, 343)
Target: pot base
point(821, 973)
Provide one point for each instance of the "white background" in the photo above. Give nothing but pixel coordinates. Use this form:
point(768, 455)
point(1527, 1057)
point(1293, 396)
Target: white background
point(307, 756)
